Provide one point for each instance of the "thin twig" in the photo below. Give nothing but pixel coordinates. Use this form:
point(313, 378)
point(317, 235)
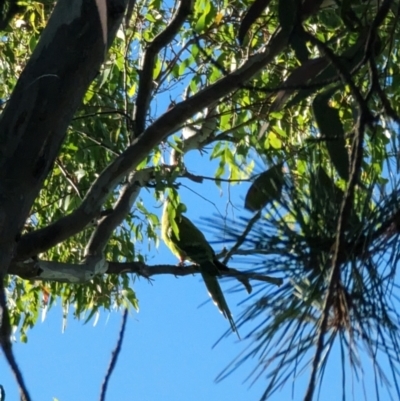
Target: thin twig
point(68, 177)
point(97, 142)
point(242, 238)
point(114, 357)
point(6, 345)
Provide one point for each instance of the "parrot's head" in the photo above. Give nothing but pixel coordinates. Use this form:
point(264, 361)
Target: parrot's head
point(175, 204)
point(181, 208)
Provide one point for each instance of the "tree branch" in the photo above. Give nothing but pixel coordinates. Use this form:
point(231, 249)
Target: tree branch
point(107, 225)
point(45, 238)
point(146, 73)
point(81, 273)
point(114, 357)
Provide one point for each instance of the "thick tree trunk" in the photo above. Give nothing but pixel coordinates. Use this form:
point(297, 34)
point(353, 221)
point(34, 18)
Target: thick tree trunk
point(49, 90)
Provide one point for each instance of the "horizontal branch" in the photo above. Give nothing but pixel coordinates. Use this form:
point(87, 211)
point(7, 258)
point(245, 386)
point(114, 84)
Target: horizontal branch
point(80, 273)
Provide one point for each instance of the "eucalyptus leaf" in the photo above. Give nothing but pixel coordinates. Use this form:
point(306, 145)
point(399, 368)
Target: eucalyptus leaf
point(266, 188)
point(331, 129)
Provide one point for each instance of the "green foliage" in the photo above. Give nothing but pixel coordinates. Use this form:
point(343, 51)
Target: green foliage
point(331, 128)
point(266, 188)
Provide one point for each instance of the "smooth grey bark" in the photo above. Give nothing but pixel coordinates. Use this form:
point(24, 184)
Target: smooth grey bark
point(48, 92)
point(81, 273)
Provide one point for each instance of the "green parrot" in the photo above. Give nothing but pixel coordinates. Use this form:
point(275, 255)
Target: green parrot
point(190, 244)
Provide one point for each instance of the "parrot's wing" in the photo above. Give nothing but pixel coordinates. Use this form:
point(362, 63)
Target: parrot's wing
point(193, 242)
point(198, 250)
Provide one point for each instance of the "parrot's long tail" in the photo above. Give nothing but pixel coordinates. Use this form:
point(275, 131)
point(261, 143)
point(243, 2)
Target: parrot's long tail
point(220, 265)
point(217, 296)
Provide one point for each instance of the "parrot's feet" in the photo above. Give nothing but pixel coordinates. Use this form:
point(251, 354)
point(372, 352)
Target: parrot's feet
point(179, 267)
